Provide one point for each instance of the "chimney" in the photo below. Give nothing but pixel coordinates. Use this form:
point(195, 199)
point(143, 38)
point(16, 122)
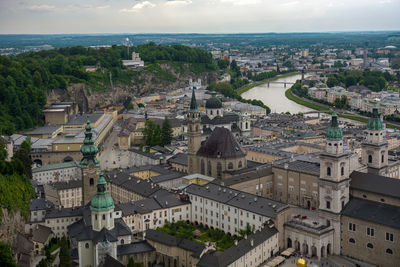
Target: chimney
point(144, 235)
point(286, 166)
point(245, 236)
point(236, 242)
point(252, 242)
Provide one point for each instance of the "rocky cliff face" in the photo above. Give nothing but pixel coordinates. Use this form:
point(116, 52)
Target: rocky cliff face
point(145, 83)
point(10, 225)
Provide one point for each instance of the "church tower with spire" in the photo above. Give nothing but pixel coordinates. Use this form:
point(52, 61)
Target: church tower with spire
point(90, 165)
point(375, 145)
point(334, 180)
point(193, 135)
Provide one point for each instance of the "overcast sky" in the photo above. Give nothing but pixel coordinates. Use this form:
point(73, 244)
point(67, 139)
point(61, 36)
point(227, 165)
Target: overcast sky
point(196, 16)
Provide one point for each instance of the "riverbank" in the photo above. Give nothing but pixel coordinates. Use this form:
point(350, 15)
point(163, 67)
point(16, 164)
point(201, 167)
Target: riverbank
point(308, 104)
point(250, 86)
point(294, 98)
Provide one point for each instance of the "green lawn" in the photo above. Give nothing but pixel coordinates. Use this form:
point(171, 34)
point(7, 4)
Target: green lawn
point(184, 230)
point(303, 102)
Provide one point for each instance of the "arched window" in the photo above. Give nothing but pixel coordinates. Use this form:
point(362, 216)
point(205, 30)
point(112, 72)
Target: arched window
point(230, 165)
point(211, 112)
point(240, 164)
point(328, 171)
point(122, 241)
point(389, 251)
point(217, 112)
point(369, 245)
point(203, 171)
point(342, 171)
point(383, 158)
point(247, 125)
point(209, 168)
point(369, 158)
point(104, 216)
point(87, 245)
point(351, 240)
point(219, 170)
point(95, 217)
point(91, 181)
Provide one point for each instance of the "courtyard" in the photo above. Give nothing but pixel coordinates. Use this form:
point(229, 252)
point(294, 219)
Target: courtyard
point(203, 234)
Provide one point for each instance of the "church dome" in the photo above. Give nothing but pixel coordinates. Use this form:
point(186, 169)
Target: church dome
point(375, 123)
point(213, 102)
point(334, 132)
point(102, 200)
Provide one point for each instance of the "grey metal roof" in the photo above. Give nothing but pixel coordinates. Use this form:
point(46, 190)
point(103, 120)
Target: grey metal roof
point(222, 144)
point(253, 203)
point(374, 212)
point(217, 259)
point(41, 233)
point(375, 183)
point(170, 240)
point(66, 212)
point(67, 185)
point(218, 120)
point(157, 201)
point(47, 129)
point(83, 118)
point(305, 166)
point(134, 248)
point(81, 231)
point(180, 158)
point(40, 204)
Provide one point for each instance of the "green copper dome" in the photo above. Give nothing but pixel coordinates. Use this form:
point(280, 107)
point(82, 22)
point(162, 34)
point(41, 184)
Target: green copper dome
point(334, 132)
point(89, 149)
point(375, 123)
point(102, 200)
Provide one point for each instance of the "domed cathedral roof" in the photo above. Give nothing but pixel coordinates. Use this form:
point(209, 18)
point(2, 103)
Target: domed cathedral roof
point(213, 102)
point(222, 144)
point(375, 123)
point(102, 200)
point(334, 132)
point(89, 149)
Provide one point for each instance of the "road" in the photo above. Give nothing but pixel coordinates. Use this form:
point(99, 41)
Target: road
point(111, 157)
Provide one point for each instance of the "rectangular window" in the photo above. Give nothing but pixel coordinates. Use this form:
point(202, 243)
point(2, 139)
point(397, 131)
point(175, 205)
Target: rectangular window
point(370, 231)
point(389, 237)
point(328, 204)
point(352, 227)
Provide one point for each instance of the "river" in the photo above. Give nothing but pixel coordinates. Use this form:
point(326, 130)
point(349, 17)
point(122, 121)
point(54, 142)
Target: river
point(274, 96)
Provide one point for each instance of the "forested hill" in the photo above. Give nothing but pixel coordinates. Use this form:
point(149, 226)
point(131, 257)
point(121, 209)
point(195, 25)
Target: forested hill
point(26, 78)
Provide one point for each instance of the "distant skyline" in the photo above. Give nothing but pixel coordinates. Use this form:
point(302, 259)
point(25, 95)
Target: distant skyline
point(196, 16)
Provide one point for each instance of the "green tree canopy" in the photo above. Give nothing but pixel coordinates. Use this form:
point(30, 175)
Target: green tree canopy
point(65, 257)
point(6, 257)
point(152, 133)
point(166, 133)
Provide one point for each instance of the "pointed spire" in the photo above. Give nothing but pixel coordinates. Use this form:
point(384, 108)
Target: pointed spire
point(193, 103)
point(89, 149)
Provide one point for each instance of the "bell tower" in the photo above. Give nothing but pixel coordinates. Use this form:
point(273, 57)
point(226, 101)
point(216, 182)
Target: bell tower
point(375, 146)
point(334, 179)
point(90, 165)
point(193, 135)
